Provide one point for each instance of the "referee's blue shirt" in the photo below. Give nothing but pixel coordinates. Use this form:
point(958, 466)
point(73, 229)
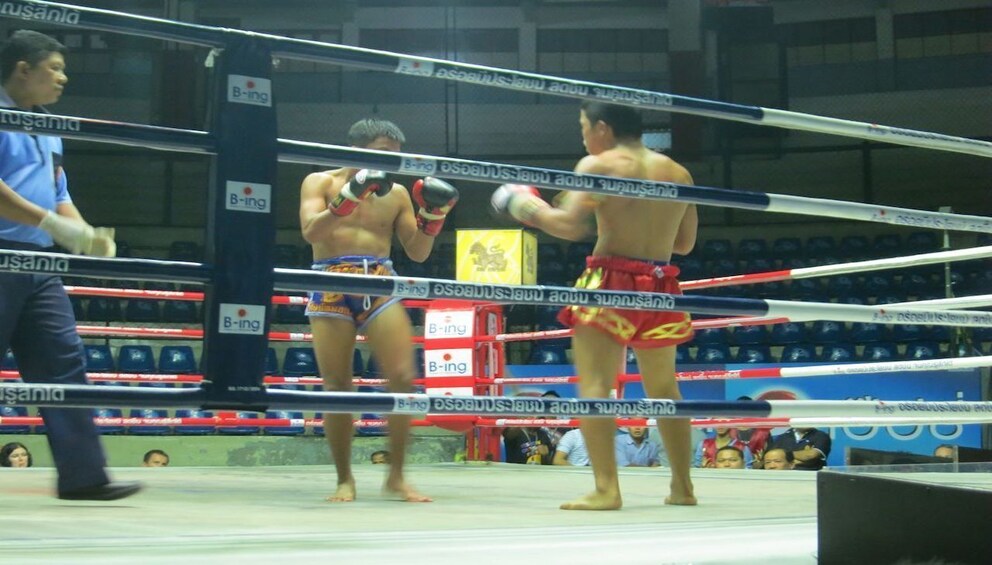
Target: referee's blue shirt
point(32, 166)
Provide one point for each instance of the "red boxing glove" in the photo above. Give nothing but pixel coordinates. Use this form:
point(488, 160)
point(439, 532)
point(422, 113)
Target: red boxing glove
point(519, 201)
point(359, 188)
point(435, 198)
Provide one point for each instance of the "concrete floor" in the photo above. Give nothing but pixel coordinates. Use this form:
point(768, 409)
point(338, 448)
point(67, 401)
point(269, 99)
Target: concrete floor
point(482, 514)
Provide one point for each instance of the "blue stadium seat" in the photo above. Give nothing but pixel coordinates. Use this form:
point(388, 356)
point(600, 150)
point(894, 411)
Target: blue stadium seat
point(372, 370)
point(180, 312)
point(795, 263)
point(547, 316)
point(682, 355)
point(136, 359)
point(578, 251)
point(99, 359)
point(753, 354)
point(866, 332)
point(299, 362)
point(287, 430)
point(838, 353)
point(842, 285)
point(177, 360)
point(798, 353)
point(877, 284)
point(78, 309)
point(290, 314)
point(787, 248)
point(821, 246)
point(13, 412)
point(240, 430)
point(713, 353)
point(143, 311)
point(917, 284)
point(851, 299)
point(774, 289)
point(922, 242)
point(752, 248)
point(419, 360)
point(546, 353)
point(828, 331)
point(890, 299)
point(910, 332)
point(271, 363)
point(358, 365)
point(9, 363)
point(759, 265)
point(790, 332)
point(109, 413)
point(287, 256)
point(158, 285)
point(716, 249)
point(807, 289)
point(551, 272)
point(194, 430)
point(923, 350)
point(880, 351)
point(887, 245)
point(707, 336)
point(750, 335)
point(854, 247)
point(691, 267)
point(721, 267)
point(185, 251)
point(549, 252)
point(149, 430)
point(102, 309)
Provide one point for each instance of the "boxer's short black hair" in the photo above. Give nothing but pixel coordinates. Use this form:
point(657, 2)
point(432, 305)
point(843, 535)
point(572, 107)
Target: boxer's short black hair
point(625, 121)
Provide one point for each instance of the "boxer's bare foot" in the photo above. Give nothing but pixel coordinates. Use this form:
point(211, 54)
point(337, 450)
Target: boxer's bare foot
point(595, 500)
point(399, 488)
point(682, 495)
point(345, 492)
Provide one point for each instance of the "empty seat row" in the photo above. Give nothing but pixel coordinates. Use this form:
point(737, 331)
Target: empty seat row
point(851, 246)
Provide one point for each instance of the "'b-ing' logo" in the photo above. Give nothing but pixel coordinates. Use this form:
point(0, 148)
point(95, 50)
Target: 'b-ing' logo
point(244, 319)
point(249, 90)
point(248, 197)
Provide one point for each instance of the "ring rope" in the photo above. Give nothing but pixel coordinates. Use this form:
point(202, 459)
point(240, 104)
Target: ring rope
point(314, 51)
point(423, 288)
point(841, 268)
point(336, 155)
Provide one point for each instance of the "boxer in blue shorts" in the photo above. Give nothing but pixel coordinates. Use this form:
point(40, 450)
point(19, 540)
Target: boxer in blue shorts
point(359, 309)
point(351, 217)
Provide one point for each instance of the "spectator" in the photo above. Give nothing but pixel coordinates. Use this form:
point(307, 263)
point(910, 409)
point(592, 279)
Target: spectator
point(634, 449)
point(777, 459)
point(156, 458)
point(532, 446)
point(15, 454)
point(380, 457)
point(729, 457)
point(572, 450)
point(810, 447)
point(945, 450)
point(706, 449)
point(755, 438)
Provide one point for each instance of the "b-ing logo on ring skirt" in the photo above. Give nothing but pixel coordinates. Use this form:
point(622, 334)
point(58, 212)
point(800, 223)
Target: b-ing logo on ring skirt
point(248, 197)
point(418, 166)
point(249, 90)
point(242, 319)
point(414, 67)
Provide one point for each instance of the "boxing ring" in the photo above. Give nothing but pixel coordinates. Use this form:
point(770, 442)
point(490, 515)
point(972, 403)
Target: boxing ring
point(262, 514)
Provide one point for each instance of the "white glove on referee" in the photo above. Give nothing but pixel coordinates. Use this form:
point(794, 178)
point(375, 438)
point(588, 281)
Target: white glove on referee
point(79, 237)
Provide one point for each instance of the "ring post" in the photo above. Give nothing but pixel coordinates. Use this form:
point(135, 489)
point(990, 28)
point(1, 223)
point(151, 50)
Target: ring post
point(240, 226)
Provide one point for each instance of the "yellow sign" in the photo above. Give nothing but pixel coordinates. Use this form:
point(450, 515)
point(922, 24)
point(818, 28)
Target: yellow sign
point(496, 256)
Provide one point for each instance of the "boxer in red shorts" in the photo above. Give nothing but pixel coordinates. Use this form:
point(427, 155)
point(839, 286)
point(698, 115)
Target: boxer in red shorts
point(635, 239)
point(633, 328)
